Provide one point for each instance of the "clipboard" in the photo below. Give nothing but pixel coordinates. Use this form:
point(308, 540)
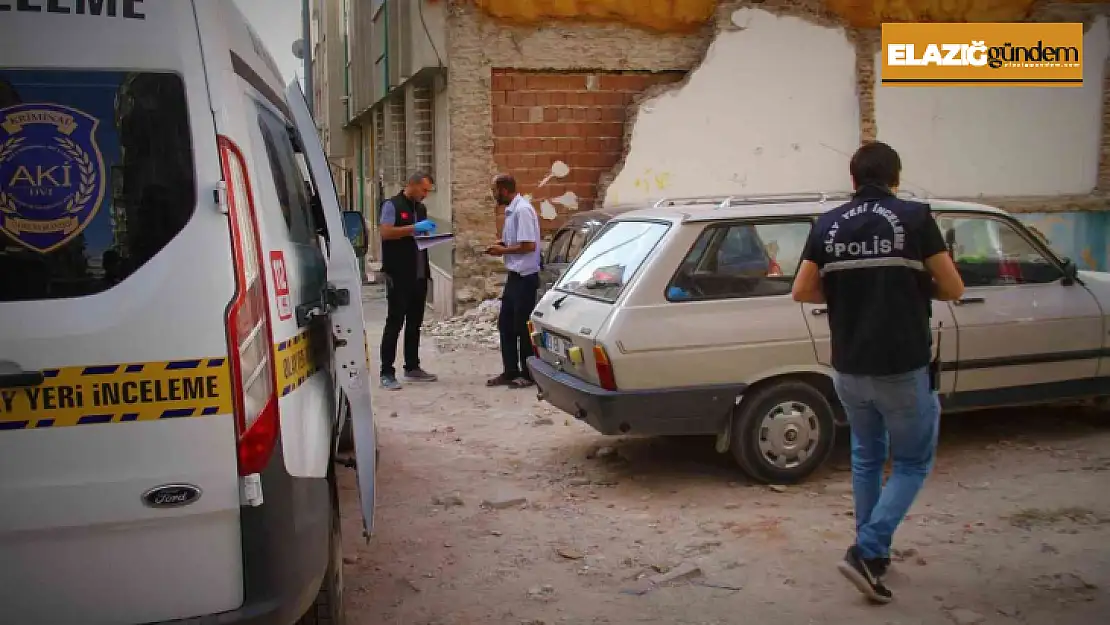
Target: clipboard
point(431, 240)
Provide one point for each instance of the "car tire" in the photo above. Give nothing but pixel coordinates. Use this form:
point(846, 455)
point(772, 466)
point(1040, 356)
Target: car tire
point(788, 420)
point(328, 608)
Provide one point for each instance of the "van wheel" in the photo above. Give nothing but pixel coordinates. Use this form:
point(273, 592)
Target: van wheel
point(328, 608)
point(783, 432)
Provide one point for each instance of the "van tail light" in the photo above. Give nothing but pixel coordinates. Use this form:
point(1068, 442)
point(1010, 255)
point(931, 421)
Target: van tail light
point(249, 336)
point(604, 369)
point(533, 337)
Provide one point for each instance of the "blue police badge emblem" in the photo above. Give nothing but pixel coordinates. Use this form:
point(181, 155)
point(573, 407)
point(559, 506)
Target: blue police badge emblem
point(52, 180)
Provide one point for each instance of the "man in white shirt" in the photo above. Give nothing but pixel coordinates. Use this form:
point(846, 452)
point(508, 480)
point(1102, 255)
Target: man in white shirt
point(520, 247)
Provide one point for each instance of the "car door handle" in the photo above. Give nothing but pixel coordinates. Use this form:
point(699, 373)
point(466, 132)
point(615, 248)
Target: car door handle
point(969, 300)
point(307, 312)
point(817, 312)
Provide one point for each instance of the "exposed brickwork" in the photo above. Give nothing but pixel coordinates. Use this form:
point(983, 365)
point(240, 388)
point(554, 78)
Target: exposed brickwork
point(867, 43)
point(574, 117)
point(476, 45)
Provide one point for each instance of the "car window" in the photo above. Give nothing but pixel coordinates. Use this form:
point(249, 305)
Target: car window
point(992, 252)
point(577, 242)
point(293, 190)
point(612, 259)
point(740, 260)
point(96, 178)
point(557, 253)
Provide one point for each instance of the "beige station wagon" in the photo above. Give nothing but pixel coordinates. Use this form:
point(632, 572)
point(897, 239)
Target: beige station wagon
point(677, 319)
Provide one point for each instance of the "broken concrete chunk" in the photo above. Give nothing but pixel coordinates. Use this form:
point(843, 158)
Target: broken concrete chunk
point(569, 553)
point(601, 453)
point(503, 502)
point(684, 571)
point(543, 421)
point(447, 501)
point(778, 488)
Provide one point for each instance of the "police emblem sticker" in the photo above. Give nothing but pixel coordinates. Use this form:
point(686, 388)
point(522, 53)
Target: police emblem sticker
point(52, 180)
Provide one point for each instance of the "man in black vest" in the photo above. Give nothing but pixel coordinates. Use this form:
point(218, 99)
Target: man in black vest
point(407, 274)
point(879, 261)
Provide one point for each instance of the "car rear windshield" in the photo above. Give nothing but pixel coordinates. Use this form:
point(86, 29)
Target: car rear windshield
point(96, 177)
point(610, 261)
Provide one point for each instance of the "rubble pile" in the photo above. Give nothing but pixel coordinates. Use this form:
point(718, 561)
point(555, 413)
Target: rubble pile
point(476, 328)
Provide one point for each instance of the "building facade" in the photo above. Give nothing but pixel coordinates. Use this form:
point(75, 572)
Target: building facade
point(608, 101)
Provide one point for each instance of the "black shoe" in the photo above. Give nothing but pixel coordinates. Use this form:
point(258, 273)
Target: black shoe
point(863, 575)
point(879, 566)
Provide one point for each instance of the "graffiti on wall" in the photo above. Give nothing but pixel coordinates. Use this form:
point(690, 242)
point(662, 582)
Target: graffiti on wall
point(568, 199)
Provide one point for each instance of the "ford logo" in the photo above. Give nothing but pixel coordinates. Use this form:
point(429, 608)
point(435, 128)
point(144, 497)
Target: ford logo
point(171, 496)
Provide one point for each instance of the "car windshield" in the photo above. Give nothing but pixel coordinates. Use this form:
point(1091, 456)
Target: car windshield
point(611, 259)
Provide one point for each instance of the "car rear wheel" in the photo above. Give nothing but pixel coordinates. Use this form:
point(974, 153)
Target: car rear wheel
point(328, 607)
point(783, 432)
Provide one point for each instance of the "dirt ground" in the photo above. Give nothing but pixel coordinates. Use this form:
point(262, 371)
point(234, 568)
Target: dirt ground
point(1013, 526)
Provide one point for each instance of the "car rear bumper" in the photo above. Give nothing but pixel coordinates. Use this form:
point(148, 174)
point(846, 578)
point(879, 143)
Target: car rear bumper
point(660, 412)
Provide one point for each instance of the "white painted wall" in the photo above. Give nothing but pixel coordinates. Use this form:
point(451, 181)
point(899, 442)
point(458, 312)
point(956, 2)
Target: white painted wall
point(966, 142)
point(772, 109)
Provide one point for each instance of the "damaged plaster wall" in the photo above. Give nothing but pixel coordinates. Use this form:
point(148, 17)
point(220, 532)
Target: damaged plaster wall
point(968, 142)
point(477, 45)
point(773, 108)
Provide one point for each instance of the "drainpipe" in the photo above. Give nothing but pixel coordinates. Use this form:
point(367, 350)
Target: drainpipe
point(306, 27)
point(385, 55)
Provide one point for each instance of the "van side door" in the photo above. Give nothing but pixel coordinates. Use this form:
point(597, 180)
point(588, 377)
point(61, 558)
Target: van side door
point(343, 301)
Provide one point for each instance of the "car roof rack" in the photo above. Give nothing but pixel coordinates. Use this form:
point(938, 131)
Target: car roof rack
point(725, 201)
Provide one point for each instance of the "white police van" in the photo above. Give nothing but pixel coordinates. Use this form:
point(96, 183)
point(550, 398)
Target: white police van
point(181, 331)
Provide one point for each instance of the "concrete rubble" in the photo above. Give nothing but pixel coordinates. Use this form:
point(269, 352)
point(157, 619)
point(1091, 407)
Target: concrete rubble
point(476, 328)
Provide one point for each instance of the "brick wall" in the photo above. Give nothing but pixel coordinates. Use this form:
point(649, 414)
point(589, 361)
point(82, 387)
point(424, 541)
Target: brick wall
point(575, 117)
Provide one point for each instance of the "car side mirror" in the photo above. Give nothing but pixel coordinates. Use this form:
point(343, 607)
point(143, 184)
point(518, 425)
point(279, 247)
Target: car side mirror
point(354, 225)
point(1071, 271)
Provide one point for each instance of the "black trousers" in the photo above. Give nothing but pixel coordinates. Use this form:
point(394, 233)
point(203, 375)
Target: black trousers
point(517, 301)
point(406, 301)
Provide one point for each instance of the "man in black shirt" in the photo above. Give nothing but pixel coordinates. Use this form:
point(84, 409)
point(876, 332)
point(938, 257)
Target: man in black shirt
point(878, 261)
point(407, 272)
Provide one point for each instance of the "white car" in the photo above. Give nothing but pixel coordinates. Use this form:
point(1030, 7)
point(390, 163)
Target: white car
point(677, 319)
point(181, 332)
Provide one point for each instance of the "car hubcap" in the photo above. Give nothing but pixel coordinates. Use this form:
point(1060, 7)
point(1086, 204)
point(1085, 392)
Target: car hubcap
point(788, 434)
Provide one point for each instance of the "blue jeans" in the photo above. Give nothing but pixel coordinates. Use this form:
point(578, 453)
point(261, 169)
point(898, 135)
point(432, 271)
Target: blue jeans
point(895, 414)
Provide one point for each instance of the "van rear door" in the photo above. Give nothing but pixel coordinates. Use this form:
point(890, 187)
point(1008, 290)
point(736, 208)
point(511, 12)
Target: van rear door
point(344, 302)
point(118, 473)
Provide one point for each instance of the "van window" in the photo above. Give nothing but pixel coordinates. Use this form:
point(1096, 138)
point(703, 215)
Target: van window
point(740, 260)
point(96, 177)
point(292, 188)
point(612, 259)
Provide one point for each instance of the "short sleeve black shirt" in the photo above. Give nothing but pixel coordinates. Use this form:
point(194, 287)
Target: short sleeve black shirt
point(871, 252)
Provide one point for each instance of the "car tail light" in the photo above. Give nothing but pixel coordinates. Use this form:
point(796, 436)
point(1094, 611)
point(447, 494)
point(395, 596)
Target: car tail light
point(532, 336)
point(250, 342)
point(604, 369)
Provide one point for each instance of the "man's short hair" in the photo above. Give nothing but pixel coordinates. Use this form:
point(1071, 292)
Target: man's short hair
point(420, 176)
point(876, 163)
point(506, 182)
